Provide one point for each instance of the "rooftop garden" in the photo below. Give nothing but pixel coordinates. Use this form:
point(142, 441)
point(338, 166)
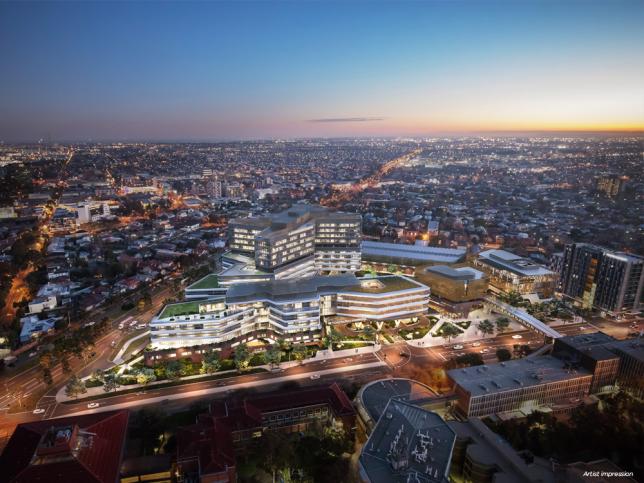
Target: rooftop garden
point(176, 310)
point(209, 281)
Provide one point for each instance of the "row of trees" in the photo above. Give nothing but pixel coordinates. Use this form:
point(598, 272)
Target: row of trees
point(487, 328)
point(78, 344)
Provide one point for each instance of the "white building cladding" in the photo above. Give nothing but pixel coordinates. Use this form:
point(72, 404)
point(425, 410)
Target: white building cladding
point(299, 242)
point(291, 309)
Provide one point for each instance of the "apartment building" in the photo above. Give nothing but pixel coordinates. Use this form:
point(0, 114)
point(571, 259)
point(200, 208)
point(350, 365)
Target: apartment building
point(594, 277)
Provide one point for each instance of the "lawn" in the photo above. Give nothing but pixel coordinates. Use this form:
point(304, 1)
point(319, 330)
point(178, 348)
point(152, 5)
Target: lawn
point(209, 281)
point(175, 310)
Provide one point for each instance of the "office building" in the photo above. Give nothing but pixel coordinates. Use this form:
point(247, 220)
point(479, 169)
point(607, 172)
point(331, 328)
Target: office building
point(519, 386)
point(508, 272)
point(612, 362)
point(289, 309)
point(594, 277)
point(299, 242)
point(455, 290)
point(79, 449)
point(408, 443)
point(385, 257)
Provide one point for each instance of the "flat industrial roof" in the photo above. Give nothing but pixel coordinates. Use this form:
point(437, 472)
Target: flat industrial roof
point(418, 253)
point(462, 273)
point(375, 396)
point(408, 444)
point(319, 284)
point(510, 375)
point(285, 289)
point(513, 263)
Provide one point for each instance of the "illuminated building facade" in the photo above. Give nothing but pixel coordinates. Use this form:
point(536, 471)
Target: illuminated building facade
point(299, 242)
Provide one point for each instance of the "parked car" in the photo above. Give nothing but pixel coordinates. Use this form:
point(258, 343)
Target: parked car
point(315, 376)
point(93, 405)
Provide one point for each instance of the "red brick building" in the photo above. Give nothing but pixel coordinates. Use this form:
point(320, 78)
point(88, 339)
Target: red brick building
point(80, 449)
point(207, 449)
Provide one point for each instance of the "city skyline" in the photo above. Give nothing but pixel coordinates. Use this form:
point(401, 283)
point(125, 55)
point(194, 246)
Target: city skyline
point(219, 71)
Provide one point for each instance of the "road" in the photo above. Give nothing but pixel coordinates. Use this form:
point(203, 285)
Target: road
point(28, 382)
point(398, 360)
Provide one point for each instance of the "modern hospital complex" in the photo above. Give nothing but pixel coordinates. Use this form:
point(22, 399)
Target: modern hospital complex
point(285, 276)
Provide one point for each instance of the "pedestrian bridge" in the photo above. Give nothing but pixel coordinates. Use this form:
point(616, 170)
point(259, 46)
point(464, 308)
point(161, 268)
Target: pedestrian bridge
point(522, 317)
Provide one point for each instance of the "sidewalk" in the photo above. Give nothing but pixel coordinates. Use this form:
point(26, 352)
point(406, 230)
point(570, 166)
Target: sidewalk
point(223, 389)
point(319, 356)
point(118, 359)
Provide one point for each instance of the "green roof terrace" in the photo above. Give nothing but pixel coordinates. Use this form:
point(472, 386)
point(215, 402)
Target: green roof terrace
point(207, 282)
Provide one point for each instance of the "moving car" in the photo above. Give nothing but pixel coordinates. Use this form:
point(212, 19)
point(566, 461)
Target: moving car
point(457, 347)
point(517, 336)
point(93, 405)
point(484, 351)
point(315, 376)
point(38, 411)
point(476, 344)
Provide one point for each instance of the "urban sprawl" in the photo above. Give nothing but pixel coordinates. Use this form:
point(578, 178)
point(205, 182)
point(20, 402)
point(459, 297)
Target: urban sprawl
point(374, 310)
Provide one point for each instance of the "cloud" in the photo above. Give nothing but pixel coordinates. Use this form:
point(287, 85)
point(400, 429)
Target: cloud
point(346, 119)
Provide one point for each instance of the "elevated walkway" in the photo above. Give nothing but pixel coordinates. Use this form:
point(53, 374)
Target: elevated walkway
point(522, 317)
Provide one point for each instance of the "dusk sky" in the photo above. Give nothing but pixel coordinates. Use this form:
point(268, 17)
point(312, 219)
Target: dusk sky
point(216, 70)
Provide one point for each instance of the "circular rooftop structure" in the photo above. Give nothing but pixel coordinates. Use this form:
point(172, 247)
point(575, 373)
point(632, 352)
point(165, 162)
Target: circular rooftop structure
point(373, 398)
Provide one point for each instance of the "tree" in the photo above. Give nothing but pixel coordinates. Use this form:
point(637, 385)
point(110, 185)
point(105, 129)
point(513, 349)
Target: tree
point(503, 354)
point(110, 382)
point(47, 377)
point(369, 332)
point(273, 356)
point(98, 375)
point(299, 352)
point(241, 357)
point(333, 337)
point(466, 360)
point(145, 376)
point(448, 331)
point(486, 327)
point(74, 387)
point(173, 370)
point(502, 325)
point(210, 362)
